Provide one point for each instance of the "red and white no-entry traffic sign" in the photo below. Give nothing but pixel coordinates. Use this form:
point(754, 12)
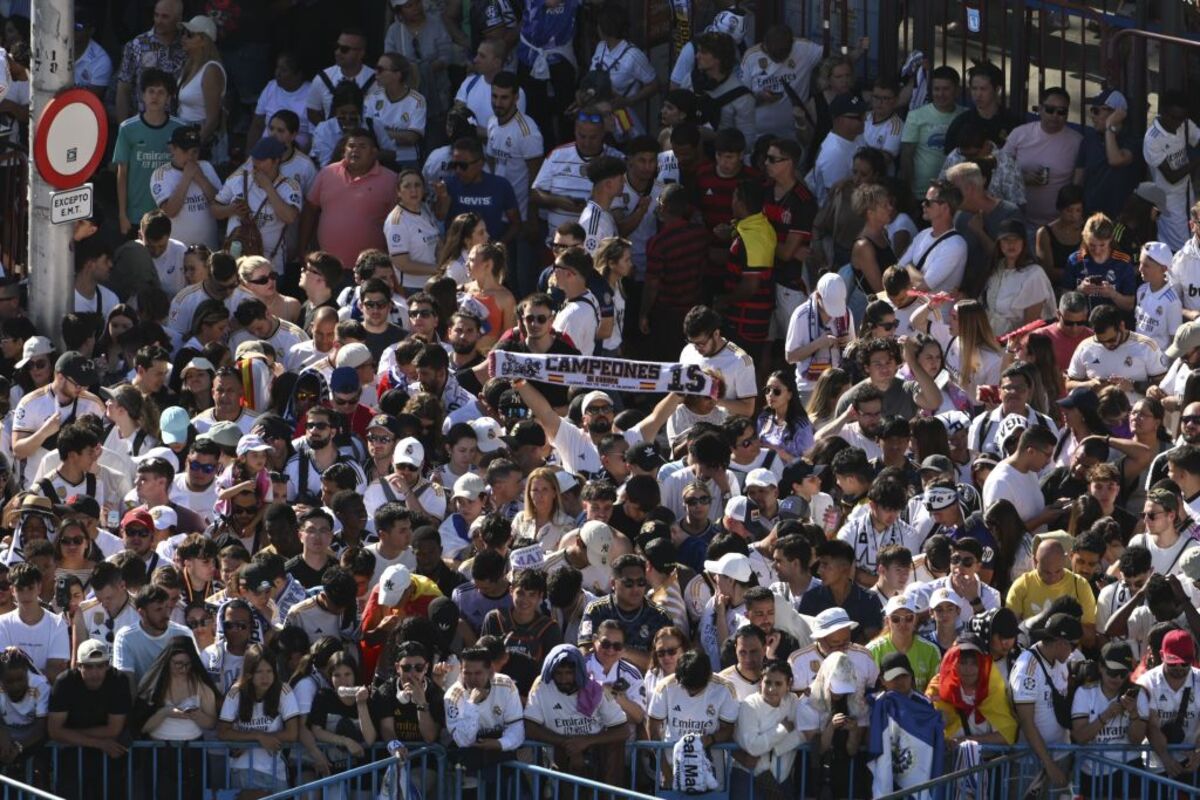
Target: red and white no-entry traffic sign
point(71, 134)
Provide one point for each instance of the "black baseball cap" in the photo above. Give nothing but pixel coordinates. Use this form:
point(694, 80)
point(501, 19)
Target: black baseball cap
point(186, 138)
point(77, 367)
point(645, 456)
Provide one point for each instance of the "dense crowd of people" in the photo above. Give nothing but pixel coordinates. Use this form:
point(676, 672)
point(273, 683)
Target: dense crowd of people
point(343, 441)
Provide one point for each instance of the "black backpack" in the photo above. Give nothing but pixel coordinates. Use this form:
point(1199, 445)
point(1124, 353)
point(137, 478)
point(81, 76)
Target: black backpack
point(709, 106)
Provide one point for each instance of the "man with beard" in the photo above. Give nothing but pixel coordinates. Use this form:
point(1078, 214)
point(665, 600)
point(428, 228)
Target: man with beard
point(1184, 350)
point(223, 658)
point(1189, 431)
point(42, 412)
point(433, 377)
point(580, 451)
point(586, 731)
point(463, 337)
point(316, 454)
point(866, 409)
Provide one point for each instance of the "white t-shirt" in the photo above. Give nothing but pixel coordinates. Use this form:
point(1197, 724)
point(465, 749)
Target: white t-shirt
point(183, 307)
point(255, 758)
point(274, 98)
point(1185, 274)
point(48, 639)
point(194, 224)
point(732, 363)
point(510, 147)
point(1137, 359)
point(101, 303)
point(405, 114)
point(269, 224)
point(1158, 314)
point(578, 452)
point(579, 319)
point(1164, 560)
point(598, 225)
point(702, 714)
point(1021, 489)
point(761, 74)
point(564, 174)
point(93, 67)
point(170, 267)
point(407, 558)
point(200, 502)
point(1161, 698)
point(415, 235)
point(835, 157)
point(1028, 684)
point(1088, 705)
point(476, 93)
point(883, 135)
point(803, 328)
point(20, 714)
point(1010, 291)
point(944, 267)
point(806, 662)
point(629, 70)
point(552, 709)
point(320, 98)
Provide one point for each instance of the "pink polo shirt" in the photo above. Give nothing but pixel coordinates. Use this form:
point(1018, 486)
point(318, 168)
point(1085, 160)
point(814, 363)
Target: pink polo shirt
point(353, 210)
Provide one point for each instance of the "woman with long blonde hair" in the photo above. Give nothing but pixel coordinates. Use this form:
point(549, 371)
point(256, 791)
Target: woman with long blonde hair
point(465, 231)
point(543, 520)
point(974, 356)
point(614, 261)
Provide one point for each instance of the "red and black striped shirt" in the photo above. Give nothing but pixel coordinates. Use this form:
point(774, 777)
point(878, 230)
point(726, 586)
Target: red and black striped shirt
point(677, 255)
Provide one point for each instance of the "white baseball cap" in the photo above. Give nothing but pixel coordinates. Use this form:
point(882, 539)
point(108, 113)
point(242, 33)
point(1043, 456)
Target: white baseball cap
point(393, 583)
point(832, 291)
point(731, 565)
point(488, 434)
point(1158, 252)
point(409, 451)
point(762, 478)
point(34, 346)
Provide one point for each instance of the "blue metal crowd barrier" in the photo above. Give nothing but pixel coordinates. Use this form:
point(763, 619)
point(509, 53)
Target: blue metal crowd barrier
point(548, 784)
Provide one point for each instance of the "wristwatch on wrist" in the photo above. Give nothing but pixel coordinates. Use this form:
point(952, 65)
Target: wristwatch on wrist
point(422, 708)
point(1111, 129)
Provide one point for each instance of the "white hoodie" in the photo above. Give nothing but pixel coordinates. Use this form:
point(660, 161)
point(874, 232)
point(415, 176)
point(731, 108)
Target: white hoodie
point(760, 732)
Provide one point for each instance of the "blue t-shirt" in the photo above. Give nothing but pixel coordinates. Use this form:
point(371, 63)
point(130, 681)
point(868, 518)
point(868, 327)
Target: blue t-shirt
point(547, 27)
point(1117, 270)
point(492, 198)
point(1105, 187)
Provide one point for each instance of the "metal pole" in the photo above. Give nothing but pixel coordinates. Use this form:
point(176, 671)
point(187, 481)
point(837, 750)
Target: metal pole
point(51, 263)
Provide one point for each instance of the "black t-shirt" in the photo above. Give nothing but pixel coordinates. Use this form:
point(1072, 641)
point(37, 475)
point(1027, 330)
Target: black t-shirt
point(308, 577)
point(404, 715)
point(465, 375)
point(378, 342)
point(997, 128)
point(87, 708)
point(329, 712)
point(447, 579)
point(555, 395)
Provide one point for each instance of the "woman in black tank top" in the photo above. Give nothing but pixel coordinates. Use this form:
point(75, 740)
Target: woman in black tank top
point(872, 252)
point(1062, 237)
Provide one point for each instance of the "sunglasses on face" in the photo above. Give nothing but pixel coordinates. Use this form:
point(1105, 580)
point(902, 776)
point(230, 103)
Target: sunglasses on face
point(605, 644)
point(420, 313)
point(1152, 515)
point(380, 439)
point(666, 652)
point(1058, 111)
point(464, 164)
point(263, 281)
point(698, 501)
point(41, 363)
point(412, 667)
point(599, 409)
point(345, 401)
point(196, 624)
point(207, 469)
point(375, 305)
point(962, 561)
point(245, 511)
point(888, 326)
point(136, 533)
point(926, 202)
point(318, 426)
point(306, 397)
point(345, 48)
point(773, 391)
point(73, 541)
point(1191, 419)
point(634, 583)
point(537, 319)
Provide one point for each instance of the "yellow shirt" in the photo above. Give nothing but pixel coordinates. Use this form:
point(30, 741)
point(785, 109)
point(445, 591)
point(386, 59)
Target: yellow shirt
point(1028, 595)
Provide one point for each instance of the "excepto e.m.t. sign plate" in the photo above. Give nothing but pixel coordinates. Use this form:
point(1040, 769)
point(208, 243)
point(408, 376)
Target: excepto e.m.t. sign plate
point(71, 205)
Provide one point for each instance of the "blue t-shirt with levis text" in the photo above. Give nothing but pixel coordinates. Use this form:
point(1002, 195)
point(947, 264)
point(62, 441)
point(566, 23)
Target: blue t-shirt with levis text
point(491, 198)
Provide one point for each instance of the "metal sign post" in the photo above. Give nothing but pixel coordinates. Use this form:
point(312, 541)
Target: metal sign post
point(51, 263)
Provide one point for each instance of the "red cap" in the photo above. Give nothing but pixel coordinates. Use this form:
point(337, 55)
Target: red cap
point(138, 516)
point(1178, 648)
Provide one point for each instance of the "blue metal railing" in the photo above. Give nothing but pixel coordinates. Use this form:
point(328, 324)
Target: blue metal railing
point(367, 778)
point(545, 781)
